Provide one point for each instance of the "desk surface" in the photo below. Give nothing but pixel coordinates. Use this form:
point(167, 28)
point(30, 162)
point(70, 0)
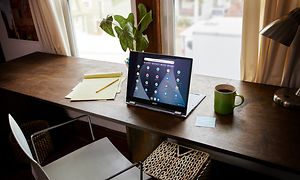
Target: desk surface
point(259, 130)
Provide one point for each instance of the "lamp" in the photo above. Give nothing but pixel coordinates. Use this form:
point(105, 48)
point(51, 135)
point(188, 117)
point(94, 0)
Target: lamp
point(283, 30)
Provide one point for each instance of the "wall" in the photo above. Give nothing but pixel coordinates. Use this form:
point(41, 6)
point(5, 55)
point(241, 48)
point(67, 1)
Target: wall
point(14, 48)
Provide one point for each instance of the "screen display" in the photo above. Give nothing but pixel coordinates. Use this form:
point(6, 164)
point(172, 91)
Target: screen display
point(159, 80)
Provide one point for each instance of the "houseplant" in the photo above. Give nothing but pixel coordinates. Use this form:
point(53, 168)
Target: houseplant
point(130, 34)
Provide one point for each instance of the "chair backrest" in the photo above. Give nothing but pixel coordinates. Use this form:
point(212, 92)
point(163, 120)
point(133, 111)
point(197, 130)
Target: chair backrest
point(37, 169)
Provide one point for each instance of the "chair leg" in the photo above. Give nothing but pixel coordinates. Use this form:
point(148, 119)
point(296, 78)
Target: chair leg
point(141, 170)
point(91, 129)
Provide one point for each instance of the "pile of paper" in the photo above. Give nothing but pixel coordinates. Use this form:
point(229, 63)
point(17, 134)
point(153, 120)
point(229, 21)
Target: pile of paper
point(99, 86)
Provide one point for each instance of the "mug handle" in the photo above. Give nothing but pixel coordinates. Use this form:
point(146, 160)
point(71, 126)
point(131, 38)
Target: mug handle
point(242, 98)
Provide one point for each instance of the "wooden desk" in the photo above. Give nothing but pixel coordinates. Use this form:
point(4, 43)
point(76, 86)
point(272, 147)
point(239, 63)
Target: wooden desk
point(259, 130)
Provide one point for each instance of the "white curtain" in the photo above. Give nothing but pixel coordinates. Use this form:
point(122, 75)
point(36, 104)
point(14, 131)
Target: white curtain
point(264, 60)
point(52, 19)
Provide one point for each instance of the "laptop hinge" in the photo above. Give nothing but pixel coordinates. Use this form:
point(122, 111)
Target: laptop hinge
point(132, 102)
point(177, 113)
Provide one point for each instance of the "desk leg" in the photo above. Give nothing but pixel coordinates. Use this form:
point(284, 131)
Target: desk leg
point(141, 143)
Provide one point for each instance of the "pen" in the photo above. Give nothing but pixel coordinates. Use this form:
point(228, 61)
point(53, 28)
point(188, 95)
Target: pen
point(107, 85)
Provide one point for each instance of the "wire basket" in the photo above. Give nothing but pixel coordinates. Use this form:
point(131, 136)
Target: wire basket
point(42, 141)
point(171, 161)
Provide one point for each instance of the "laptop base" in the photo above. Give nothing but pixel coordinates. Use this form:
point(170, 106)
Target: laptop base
point(193, 102)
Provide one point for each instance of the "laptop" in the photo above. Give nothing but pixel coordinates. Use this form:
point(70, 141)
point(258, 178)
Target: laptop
point(161, 83)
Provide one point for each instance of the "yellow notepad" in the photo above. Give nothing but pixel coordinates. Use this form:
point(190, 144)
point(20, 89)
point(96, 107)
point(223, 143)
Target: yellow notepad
point(69, 96)
point(88, 87)
point(107, 83)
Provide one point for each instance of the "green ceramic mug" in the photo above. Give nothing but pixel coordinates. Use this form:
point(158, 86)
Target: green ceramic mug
point(225, 99)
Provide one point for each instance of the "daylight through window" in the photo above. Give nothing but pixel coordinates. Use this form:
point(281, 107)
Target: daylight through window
point(91, 41)
point(210, 32)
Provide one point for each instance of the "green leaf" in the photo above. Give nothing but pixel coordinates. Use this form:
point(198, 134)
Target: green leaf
point(121, 20)
point(121, 38)
point(125, 36)
point(106, 25)
point(128, 29)
point(141, 41)
point(130, 19)
point(142, 10)
point(145, 21)
point(130, 36)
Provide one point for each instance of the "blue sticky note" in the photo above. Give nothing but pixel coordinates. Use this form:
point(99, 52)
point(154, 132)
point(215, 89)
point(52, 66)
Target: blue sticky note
point(205, 121)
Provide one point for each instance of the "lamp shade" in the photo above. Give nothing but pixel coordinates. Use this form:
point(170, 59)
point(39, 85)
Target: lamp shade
point(284, 29)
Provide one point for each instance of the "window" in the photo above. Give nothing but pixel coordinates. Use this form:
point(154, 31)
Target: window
point(91, 41)
point(210, 32)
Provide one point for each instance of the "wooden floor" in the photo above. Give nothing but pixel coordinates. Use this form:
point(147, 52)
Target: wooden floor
point(18, 171)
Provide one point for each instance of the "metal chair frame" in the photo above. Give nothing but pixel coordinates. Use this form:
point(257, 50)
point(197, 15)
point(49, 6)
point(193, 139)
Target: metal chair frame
point(93, 138)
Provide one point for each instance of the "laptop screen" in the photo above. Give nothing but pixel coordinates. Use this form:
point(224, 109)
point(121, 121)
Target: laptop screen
point(159, 80)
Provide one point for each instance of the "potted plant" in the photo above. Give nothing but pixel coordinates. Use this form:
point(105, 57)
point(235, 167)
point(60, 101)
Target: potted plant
point(130, 34)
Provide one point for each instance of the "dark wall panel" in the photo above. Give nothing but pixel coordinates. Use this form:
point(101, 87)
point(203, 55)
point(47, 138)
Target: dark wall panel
point(2, 58)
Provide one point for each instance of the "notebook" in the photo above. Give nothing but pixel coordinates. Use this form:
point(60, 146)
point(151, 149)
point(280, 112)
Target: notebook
point(161, 83)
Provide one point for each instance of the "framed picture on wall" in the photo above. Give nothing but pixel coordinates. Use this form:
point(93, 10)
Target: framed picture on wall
point(18, 20)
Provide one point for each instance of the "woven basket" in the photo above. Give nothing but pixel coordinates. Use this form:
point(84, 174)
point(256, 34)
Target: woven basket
point(167, 162)
point(43, 142)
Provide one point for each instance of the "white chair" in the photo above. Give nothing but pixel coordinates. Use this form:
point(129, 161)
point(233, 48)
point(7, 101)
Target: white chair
point(97, 160)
